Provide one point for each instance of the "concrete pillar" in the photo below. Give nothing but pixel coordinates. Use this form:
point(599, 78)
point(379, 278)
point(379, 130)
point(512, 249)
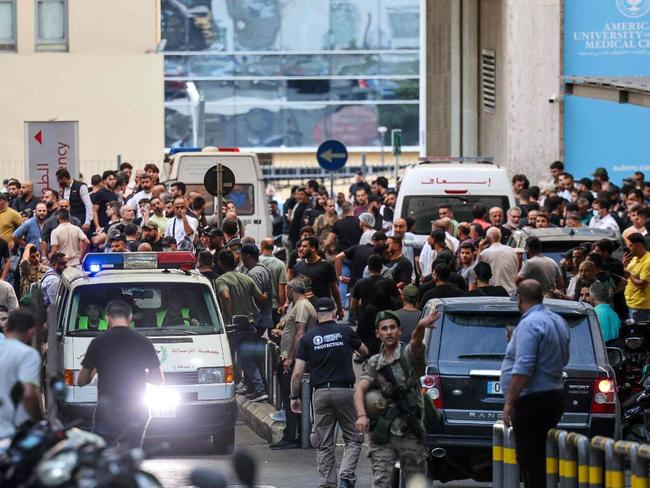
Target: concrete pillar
point(439, 77)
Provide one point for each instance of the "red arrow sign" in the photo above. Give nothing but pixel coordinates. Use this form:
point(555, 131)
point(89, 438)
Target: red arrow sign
point(39, 137)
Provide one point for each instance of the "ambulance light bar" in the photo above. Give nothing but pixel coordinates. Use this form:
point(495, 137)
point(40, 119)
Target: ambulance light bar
point(96, 262)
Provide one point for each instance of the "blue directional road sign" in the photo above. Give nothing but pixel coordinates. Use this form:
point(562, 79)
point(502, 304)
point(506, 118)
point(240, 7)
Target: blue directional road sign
point(332, 155)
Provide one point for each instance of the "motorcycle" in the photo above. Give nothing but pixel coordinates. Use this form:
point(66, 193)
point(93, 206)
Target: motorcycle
point(83, 459)
point(633, 343)
point(29, 443)
point(636, 412)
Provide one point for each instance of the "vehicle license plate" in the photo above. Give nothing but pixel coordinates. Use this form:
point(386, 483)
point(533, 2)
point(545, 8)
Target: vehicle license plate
point(494, 388)
point(163, 412)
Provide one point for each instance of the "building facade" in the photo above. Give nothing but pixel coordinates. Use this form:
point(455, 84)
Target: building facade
point(85, 61)
point(281, 77)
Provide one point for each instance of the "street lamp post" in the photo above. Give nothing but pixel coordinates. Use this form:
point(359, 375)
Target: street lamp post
point(382, 132)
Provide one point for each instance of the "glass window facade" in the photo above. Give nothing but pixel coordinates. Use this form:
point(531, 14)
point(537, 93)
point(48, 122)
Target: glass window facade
point(292, 73)
point(51, 25)
point(7, 24)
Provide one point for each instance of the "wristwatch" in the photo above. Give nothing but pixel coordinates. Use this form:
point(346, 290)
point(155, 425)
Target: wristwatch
point(294, 398)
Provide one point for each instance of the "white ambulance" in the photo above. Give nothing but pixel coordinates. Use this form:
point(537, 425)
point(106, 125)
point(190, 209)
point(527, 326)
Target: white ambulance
point(198, 395)
point(248, 194)
point(459, 185)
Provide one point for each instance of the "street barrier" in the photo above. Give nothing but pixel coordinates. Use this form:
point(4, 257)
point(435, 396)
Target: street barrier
point(305, 400)
point(271, 362)
point(505, 472)
point(574, 461)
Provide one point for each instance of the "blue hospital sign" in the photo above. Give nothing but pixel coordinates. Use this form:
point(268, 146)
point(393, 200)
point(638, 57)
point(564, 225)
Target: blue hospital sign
point(606, 38)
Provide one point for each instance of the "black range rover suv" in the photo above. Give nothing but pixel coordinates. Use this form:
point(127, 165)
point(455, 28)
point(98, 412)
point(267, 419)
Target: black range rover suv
point(464, 354)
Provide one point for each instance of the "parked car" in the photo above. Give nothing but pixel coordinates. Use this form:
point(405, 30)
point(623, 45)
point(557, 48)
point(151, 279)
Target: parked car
point(463, 360)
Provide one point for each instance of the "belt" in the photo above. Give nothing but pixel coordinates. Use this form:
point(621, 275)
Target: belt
point(334, 385)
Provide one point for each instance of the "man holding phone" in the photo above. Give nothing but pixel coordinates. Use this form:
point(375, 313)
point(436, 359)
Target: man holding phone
point(637, 272)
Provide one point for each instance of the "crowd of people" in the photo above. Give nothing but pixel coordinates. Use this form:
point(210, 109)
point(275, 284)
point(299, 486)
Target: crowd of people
point(349, 250)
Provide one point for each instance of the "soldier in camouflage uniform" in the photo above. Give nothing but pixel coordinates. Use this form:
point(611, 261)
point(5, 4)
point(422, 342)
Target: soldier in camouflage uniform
point(394, 435)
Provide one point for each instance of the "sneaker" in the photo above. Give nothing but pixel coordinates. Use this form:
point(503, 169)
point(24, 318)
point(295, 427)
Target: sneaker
point(346, 483)
point(258, 396)
point(284, 445)
point(279, 416)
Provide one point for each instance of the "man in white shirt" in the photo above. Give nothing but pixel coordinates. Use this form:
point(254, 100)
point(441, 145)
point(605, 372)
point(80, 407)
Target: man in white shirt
point(182, 227)
point(146, 184)
point(602, 219)
point(502, 259)
point(21, 369)
point(68, 239)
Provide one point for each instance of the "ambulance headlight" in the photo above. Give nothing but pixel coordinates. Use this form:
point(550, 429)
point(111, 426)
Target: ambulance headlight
point(210, 375)
point(161, 398)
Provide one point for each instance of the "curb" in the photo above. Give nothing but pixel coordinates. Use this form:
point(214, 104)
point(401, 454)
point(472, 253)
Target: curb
point(256, 415)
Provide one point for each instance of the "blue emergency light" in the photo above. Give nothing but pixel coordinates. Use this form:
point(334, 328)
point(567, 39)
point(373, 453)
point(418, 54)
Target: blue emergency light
point(96, 262)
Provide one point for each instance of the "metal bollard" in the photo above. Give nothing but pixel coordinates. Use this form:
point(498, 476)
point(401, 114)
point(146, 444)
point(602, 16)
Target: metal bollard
point(497, 454)
point(583, 461)
point(305, 395)
point(630, 449)
point(510, 468)
point(576, 460)
point(614, 475)
point(596, 459)
point(640, 466)
point(567, 464)
point(552, 457)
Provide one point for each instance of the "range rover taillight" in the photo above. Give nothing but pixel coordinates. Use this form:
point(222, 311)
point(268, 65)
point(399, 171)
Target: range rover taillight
point(432, 387)
point(604, 399)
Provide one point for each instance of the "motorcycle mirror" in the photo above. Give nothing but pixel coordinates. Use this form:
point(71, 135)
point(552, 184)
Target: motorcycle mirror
point(615, 356)
point(58, 388)
point(208, 478)
point(245, 467)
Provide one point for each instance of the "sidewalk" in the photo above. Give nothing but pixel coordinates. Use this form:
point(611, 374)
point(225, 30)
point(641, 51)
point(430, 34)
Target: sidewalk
point(256, 415)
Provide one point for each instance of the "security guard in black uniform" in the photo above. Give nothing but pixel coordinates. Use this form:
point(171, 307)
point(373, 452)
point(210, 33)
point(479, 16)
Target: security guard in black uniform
point(328, 348)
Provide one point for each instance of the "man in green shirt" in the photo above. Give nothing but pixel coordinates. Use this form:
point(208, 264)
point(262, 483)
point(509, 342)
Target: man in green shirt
point(239, 295)
point(278, 278)
point(610, 324)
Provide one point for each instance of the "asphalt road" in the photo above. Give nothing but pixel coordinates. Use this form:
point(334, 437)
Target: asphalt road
point(295, 468)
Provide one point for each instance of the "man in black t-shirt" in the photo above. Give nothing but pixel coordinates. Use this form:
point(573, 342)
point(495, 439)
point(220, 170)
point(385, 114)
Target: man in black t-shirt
point(321, 273)
point(297, 213)
point(402, 269)
point(328, 349)
point(346, 231)
point(444, 288)
point(100, 198)
point(369, 297)
point(483, 288)
point(358, 257)
point(124, 361)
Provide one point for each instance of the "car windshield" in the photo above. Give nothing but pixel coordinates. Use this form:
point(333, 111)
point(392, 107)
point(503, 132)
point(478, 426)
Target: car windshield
point(461, 332)
point(158, 309)
point(424, 209)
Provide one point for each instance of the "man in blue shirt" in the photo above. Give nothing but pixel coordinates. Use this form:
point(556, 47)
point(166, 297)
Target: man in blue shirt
point(30, 230)
point(608, 320)
point(531, 379)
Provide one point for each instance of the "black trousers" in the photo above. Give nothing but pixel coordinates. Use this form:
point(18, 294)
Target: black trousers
point(292, 427)
point(121, 422)
point(533, 416)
